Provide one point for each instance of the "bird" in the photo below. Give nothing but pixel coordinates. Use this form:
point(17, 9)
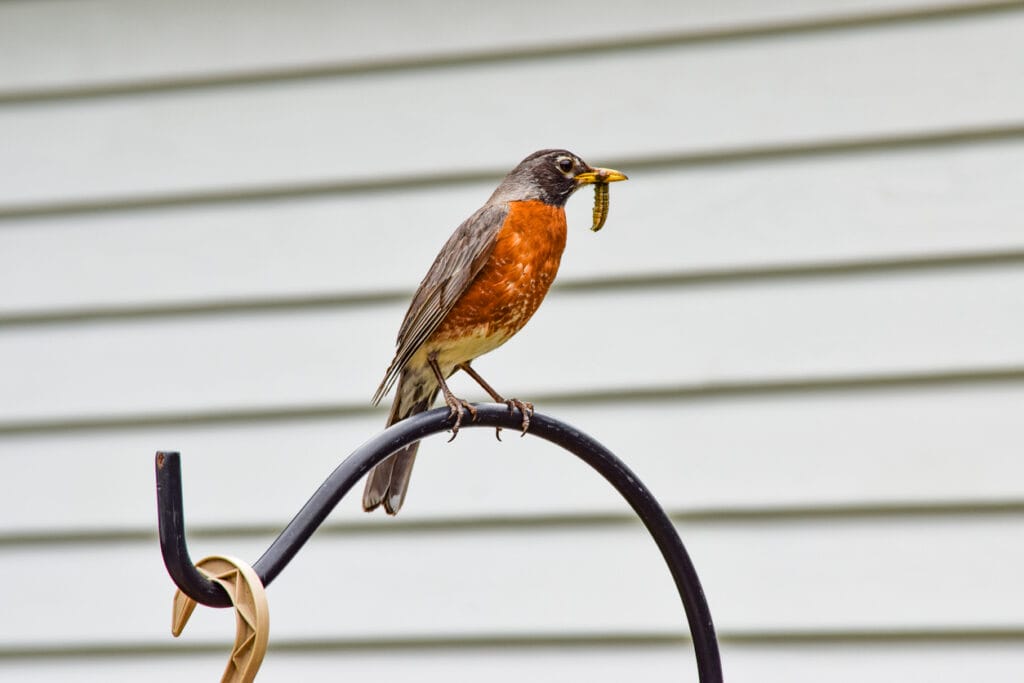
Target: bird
point(485, 284)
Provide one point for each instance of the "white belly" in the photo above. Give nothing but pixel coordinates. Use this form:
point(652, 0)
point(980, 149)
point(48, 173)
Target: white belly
point(452, 352)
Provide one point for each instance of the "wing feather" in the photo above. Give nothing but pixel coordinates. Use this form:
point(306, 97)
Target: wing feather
point(458, 263)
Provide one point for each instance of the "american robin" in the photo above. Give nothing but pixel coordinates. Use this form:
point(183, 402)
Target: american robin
point(489, 278)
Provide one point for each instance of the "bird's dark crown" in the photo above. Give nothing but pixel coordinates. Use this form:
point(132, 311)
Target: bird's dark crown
point(548, 175)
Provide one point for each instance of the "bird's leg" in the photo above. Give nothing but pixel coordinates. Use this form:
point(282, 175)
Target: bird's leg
point(525, 407)
point(456, 405)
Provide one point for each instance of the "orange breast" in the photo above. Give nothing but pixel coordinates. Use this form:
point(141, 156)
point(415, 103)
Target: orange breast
point(513, 283)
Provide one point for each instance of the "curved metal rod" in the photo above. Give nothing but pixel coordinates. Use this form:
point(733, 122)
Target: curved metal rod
point(352, 469)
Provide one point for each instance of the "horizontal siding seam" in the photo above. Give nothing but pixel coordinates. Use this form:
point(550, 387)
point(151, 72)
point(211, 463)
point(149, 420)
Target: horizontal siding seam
point(854, 637)
point(777, 515)
point(734, 276)
point(583, 47)
point(699, 158)
point(946, 378)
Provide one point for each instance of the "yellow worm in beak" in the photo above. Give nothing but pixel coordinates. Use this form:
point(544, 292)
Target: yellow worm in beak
point(601, 199)
point(600, 177)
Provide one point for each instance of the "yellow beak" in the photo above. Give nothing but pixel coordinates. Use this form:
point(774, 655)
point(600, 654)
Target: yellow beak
point(599, 175)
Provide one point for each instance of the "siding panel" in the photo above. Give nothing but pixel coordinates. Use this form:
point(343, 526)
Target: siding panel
point(939, 661)
point(157, 41)
point(895, 80)
point(774, 330)
point(856, 449)
point(919, 203)
point(876, 575)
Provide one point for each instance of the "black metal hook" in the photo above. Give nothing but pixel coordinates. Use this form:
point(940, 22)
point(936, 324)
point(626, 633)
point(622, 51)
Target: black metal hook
point(184, 573)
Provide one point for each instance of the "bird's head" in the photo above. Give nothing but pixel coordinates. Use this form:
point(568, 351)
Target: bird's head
point(551, 176)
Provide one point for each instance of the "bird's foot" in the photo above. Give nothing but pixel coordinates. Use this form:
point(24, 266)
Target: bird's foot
point(524, 407)
point(457, 407)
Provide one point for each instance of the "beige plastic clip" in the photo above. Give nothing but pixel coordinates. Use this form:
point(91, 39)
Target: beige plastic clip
point(252, 616)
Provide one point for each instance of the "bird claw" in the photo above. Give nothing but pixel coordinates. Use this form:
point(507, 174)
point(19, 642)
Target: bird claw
point(524, 407)
point(457, 407)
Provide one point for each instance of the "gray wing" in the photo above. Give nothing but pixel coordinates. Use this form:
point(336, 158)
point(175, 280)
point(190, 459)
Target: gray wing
point(461, 258)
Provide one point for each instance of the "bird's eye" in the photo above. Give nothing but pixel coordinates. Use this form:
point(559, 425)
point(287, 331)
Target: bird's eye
point(564, 164)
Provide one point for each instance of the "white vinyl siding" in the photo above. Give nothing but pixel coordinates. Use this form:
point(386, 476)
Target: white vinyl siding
point(802, 327)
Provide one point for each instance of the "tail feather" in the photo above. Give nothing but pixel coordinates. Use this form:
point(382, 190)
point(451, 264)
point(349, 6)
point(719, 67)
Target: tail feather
point(388, 482)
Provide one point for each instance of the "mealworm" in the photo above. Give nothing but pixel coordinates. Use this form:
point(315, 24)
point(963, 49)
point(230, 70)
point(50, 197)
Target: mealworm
point(601, 199)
